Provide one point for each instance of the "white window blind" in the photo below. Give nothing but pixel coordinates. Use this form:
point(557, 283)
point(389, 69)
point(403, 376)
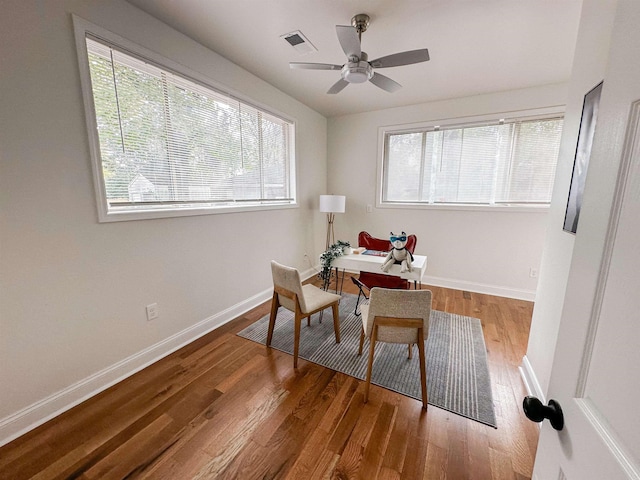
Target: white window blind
point(510, 162)
point(167, 142)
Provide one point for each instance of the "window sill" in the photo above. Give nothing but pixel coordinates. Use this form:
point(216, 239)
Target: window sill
point(129, 215)
point(507, 208)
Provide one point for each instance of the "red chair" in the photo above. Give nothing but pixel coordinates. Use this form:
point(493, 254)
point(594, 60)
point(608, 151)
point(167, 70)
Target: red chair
point(368, 280)
point(384, 245)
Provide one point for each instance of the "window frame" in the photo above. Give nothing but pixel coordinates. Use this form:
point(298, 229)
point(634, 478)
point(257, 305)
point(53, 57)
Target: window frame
point(452, 123)
point(84, 29)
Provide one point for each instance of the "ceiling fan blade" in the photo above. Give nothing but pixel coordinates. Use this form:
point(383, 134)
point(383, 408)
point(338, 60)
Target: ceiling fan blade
point(349, 40)
point(402, 58)
point(338, 86)
point(385, 83)
point(315, 66)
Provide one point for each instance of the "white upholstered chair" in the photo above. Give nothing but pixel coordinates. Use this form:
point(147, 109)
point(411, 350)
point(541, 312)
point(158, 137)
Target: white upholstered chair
point(302, 300)
point(396, 316)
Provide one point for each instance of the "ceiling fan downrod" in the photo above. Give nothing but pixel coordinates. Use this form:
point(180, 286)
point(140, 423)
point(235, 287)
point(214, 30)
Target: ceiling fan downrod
point(360, 22)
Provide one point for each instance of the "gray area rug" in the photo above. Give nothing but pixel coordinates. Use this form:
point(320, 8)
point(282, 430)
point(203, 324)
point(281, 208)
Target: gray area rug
point(457, 372)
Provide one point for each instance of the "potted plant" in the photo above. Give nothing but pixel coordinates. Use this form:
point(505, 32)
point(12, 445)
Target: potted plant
point(326, 258)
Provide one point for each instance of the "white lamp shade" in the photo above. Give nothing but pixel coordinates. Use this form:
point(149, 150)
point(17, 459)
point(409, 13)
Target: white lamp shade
point(332, 203)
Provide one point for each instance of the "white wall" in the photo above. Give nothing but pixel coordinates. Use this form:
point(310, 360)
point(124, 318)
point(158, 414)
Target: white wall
point(483, 251)
point(72, 291)
point(589, 66)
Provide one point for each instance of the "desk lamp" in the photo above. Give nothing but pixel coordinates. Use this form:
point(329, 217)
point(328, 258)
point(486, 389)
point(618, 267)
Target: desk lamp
point(331, 204)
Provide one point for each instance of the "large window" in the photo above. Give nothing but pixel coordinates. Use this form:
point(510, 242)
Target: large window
point(168, 143)
point(508, 162)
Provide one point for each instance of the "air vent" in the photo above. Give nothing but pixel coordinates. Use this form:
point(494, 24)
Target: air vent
point(299, 42)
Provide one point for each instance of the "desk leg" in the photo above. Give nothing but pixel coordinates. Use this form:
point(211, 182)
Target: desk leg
point(339, 281)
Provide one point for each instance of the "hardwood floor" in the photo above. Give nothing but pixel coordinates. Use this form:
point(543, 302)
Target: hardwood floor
point(227, 408)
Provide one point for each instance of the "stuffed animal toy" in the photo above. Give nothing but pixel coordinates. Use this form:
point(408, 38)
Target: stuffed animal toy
point(398, 254)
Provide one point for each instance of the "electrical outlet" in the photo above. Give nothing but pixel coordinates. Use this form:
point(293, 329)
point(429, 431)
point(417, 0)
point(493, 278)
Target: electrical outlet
point(152, 311)
point(533, 272)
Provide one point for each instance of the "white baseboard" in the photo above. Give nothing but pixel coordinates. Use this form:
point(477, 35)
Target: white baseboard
point(531, 384)
point(310, 272)
point(530, 380)
point(496, 290)
point(34, 415)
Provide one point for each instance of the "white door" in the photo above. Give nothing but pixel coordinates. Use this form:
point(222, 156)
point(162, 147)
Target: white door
point(596, 368)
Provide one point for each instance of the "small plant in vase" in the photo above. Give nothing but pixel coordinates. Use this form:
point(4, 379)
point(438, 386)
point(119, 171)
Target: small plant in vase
point(334, 251)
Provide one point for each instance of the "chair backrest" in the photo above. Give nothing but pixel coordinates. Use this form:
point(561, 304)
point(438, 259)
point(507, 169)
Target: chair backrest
point(383, 244)
point(387, 302)
point(288, 278)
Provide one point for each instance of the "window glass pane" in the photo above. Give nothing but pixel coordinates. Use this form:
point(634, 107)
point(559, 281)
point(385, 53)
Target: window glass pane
point(404, 161)
point(274, 141)
point(448, 166)
point(534, 161)
point(204, 144)
point(133, 151)
point(169, 142)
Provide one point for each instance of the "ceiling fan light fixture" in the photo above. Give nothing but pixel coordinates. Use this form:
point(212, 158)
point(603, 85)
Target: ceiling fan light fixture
point(357, 72)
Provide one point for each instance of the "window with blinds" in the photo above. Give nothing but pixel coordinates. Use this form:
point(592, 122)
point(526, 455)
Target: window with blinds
point(169, 143)
point(509, 162)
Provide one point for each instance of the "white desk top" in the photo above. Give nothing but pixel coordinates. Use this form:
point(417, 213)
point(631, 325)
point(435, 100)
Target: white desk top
point(371, 263)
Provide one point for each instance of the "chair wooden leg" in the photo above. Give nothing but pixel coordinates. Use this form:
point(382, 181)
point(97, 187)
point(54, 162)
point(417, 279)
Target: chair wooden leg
point(410, 351)
point(372, 346)
point(361, 341)
point(336, 322)
point(296, 339)
point(275, 304)
point(423, 367)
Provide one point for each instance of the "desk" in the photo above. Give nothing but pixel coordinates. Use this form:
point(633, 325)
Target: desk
point(371, 263)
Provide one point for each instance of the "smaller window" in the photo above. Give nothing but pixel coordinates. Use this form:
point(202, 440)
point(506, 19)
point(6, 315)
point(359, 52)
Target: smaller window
point(507, 162)
point(168, 144)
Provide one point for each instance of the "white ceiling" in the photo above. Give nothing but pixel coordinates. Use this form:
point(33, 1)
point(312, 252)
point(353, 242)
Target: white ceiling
point(476, 46)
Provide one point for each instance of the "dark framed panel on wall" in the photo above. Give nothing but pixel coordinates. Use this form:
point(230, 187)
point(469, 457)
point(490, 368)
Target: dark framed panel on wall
point(581, 160)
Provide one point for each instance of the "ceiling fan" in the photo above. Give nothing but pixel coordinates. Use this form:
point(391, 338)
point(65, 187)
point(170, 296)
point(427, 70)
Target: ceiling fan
point(358, 69)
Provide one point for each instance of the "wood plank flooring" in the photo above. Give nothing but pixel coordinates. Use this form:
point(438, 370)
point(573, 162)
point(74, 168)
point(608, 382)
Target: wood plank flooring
point(227, 408)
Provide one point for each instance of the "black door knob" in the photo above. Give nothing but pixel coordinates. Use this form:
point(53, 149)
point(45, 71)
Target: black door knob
point(537, 412)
